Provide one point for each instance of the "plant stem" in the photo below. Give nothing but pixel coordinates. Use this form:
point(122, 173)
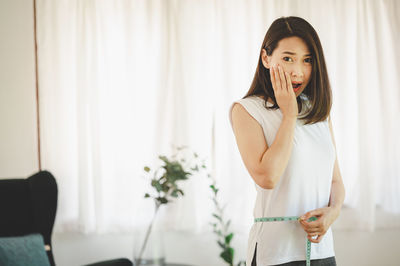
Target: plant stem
point(147, 235)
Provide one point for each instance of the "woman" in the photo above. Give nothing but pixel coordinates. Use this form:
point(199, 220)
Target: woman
point(285, 138)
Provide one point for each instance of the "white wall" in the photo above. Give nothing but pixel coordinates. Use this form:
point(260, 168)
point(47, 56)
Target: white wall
point(18, 141)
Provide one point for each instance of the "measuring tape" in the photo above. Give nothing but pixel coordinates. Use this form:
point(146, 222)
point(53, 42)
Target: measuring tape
point(290, 218)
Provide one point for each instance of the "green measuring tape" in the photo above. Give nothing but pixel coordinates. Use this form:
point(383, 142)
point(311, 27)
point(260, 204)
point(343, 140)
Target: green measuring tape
point(290, 218)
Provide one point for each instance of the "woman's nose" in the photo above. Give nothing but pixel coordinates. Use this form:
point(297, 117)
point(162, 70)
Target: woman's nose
point(297, 72)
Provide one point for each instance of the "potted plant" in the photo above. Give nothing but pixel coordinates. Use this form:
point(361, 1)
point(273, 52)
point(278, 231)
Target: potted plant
point(165, 181)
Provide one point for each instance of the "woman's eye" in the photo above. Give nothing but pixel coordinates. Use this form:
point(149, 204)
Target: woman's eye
point(308, 60)
point(287, 59)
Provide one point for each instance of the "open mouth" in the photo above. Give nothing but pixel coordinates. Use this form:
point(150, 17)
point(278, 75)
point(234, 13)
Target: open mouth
point(296, 86)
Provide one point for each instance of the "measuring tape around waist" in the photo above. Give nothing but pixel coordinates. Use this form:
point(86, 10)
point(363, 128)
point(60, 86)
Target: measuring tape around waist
point(290, 218)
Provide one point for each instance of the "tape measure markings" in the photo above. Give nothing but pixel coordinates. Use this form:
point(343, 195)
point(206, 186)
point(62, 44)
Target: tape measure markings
point(291, 218)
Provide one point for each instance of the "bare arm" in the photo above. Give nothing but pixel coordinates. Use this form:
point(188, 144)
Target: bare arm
point(265, 165)
point(337, 188)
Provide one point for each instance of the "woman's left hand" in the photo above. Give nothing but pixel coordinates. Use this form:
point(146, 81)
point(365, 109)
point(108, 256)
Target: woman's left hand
point(325, 217)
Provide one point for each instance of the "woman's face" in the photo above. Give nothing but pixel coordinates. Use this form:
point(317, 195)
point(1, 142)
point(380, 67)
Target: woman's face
point(293, 55)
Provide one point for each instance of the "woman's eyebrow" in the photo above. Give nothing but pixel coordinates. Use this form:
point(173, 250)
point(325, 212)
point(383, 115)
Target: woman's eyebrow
point(291, 53)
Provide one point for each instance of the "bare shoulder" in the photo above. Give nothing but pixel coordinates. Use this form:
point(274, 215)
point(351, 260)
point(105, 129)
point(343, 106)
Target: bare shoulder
point(240, 115)
point(245, 125)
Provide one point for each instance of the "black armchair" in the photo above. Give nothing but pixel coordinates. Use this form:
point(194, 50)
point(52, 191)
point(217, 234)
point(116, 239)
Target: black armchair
point(29, 206)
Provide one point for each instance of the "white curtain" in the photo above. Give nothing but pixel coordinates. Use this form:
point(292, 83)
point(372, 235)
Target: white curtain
point(123, 81)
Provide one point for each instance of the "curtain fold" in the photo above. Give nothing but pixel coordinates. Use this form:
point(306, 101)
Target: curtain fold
point(123, 81)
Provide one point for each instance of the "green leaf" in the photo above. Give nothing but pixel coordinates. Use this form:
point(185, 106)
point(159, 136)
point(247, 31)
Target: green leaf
point(147, 195)
point(156, 184)
point(227, 255)
point(162, 200)
point(165, 188)
point(228, 238)
point(147, 169)
point(175, 193)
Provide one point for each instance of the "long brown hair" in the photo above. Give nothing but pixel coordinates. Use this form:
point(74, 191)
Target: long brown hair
point(318, 90)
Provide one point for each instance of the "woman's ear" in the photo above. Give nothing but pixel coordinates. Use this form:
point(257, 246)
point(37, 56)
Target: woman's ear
point(266, 60)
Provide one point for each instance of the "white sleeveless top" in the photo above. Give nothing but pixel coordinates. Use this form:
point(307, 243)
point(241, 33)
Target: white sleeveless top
point(305, 185)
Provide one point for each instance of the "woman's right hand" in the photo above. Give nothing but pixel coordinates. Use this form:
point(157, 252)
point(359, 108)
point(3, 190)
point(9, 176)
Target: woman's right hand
point(284, 93)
